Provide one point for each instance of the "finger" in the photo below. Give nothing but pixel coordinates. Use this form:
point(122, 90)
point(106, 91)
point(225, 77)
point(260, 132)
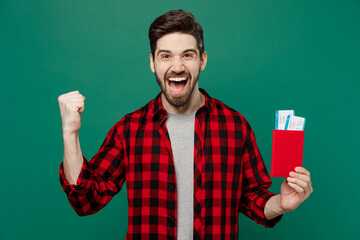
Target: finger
point(300, 173)
point(298, 181)
point(302, 184)
point(311, 188)
point(302, 170)
point(302, 176)
point(69, 96)
point(75, 105)
point(82, 108)
point(71, 93)
point(75, 97)
point(80, 105)
point(69, 100)
point(297, 188)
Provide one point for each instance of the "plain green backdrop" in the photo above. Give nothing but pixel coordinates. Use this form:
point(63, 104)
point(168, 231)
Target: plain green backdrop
point(262, 56)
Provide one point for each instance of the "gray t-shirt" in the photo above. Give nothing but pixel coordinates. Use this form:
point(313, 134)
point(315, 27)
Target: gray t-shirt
point(181, 132)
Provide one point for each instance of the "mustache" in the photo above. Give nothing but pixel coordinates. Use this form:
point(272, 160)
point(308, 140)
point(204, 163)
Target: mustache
point(182, 74)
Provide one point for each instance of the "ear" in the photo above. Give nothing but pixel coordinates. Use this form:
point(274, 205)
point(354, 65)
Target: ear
point(152, 66)
point(203, 61)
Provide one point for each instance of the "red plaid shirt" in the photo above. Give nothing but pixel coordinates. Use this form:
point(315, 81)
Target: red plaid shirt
point(229, 174)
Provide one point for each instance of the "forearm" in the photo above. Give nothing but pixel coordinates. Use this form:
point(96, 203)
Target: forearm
point(273, 208)
point(72, 160)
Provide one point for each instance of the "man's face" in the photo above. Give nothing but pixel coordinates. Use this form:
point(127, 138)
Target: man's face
point(177, 64)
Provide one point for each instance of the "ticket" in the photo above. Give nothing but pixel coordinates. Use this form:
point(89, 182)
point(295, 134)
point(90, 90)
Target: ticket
point(280, 118)
point(295, 123)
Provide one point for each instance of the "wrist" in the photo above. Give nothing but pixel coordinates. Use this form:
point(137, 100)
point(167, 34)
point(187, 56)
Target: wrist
point(70, 132)
point(273, 207)
point(280, 208)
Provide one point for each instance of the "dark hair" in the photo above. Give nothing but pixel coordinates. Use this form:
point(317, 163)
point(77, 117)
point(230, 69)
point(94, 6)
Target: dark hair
point(176, 21)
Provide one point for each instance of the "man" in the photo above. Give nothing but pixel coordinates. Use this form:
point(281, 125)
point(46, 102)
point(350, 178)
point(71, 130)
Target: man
point(191, 163)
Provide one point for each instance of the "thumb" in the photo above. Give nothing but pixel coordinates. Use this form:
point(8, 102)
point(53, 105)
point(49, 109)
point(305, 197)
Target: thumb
point(81, 109)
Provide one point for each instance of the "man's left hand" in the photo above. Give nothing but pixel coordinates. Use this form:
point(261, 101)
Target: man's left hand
point(295, 189)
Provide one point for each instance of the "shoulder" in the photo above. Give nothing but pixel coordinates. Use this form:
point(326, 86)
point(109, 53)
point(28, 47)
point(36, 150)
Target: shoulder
point(230, 114)
point(233, 120)
point(137, 117)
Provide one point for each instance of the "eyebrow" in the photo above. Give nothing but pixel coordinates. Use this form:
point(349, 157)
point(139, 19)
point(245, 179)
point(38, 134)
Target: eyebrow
point(168, 51)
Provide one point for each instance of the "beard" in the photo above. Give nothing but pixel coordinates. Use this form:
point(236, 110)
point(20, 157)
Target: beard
point(178, 101)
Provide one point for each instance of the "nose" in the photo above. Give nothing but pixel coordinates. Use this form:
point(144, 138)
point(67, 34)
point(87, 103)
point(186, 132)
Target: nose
point(177, 65)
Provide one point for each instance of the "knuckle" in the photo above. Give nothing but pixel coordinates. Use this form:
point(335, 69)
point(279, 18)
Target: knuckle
point(68, 104)
point(61, 98)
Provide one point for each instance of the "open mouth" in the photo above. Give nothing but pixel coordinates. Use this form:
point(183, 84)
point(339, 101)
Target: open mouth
point(177, 84)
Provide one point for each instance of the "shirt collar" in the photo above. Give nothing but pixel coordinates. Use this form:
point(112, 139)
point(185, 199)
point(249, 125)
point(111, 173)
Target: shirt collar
point(157, 108)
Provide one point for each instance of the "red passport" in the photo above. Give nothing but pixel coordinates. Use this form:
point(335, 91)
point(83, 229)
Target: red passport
point(287, 152)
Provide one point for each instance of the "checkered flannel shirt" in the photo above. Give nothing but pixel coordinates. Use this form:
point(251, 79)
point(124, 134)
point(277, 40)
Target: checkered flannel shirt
point(229, 174)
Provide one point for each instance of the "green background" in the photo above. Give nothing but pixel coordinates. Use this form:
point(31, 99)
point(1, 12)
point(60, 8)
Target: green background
point(262, 56)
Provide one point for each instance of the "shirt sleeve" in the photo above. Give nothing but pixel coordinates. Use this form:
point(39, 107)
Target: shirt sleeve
point(100, 178)
point(256, 182)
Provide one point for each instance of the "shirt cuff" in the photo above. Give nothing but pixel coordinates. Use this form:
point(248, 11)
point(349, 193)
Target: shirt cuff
point(272, 222)
point(82, 183)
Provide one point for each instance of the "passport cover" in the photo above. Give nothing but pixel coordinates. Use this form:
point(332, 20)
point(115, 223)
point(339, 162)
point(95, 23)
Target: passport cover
point(287, 152)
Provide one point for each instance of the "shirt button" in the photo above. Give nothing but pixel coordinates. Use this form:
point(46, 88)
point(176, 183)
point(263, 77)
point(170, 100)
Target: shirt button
point(171, 222)
point(171, 187)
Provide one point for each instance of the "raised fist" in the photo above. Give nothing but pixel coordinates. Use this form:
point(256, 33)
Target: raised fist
point(71, 106)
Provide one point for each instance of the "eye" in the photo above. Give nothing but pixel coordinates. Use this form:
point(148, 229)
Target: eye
point(166, 56)
point(188, 55)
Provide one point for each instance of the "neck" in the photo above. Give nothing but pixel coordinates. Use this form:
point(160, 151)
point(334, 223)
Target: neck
point(197, 100)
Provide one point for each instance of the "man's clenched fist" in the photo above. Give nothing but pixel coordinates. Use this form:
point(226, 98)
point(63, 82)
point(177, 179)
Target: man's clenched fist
point(71, 106)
